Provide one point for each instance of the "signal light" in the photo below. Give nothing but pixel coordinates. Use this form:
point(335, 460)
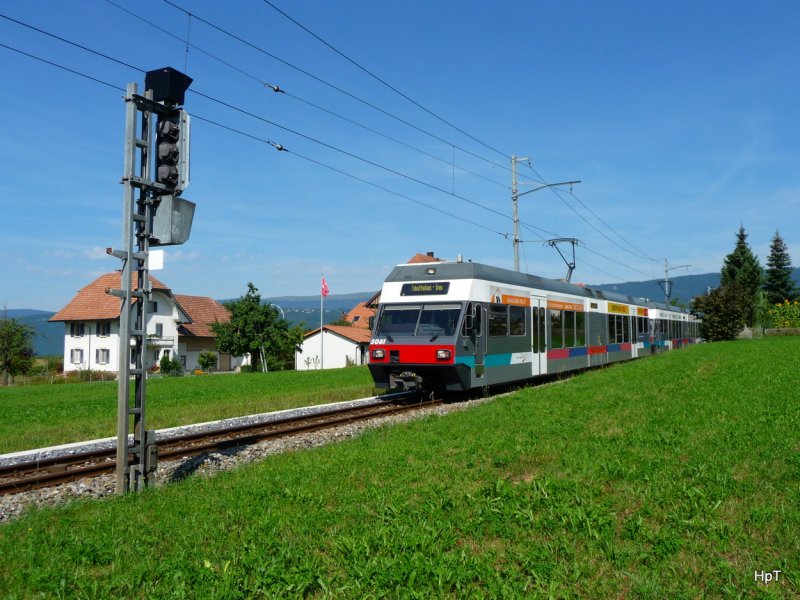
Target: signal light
point(443, 354)
point(172, 151)
point(167, 153)
point(378, 354)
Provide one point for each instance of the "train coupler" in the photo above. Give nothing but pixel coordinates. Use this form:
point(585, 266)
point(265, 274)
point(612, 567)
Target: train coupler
point(405, 380)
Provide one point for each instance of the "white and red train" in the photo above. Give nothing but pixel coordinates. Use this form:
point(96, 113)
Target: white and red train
point(448, 326)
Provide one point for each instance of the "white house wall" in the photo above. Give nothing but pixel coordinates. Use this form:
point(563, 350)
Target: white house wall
point(166, 315)
point(89, 343)
point(337, 350)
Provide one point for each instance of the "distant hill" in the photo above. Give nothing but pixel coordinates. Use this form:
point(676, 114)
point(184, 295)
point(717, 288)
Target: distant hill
point(48, 339)
point(684, 287)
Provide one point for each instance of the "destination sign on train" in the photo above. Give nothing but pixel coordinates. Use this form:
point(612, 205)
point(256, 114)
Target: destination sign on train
point(429, 288)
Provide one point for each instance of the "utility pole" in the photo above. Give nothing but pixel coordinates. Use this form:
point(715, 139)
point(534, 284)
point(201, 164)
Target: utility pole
point(515, 196)
point(666, 285)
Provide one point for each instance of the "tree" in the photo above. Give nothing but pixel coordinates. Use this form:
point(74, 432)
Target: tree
point(779, 285)
point(16, 348)
point(742, 268)
point(724, 311)
point(257, 329)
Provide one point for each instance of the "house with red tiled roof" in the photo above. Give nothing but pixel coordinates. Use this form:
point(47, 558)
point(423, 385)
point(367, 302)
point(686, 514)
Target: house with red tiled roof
point(423, 258)
point(179, 326)
point(332, 347)
point(361, 313)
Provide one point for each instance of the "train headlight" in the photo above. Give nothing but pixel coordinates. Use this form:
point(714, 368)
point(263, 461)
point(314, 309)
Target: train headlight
point(443, 354)
point(379, 354)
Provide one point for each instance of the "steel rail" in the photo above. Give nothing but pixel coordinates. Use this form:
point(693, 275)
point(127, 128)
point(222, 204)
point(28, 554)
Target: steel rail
point(46, 472)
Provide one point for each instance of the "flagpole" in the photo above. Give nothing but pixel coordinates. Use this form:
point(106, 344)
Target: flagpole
point(321, 330)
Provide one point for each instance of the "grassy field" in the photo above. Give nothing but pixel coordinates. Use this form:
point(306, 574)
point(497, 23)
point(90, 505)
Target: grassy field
point(673, 477)
point(34, 416)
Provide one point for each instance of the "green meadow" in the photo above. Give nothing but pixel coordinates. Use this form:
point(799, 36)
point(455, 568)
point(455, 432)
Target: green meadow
point(34, 416)
point(677, 476)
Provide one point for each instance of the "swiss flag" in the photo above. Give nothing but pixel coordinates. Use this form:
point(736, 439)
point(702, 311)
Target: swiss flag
point(325, 289)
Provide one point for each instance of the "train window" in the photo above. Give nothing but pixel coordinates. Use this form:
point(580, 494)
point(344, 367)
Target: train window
point(438, 319)
point(580, 329)
point(468, 323)
point(498, 320)
point(516, 320)
point(556, 329)
point(569, 329)
point(616, 329)
point(477, 324)
point(626, 329)
point(414, 319)
point(398, 320)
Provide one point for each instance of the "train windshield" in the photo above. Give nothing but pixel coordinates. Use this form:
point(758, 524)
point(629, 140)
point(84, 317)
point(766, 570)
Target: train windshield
point(432, 320)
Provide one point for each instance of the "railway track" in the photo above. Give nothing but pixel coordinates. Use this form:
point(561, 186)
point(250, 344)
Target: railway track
point(46, 472)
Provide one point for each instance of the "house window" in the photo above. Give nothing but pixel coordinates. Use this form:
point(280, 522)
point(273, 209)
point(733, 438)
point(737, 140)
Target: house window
point(183, 361)
point(159, 330)
point(104, 328)
point(76, 329)
point(76, 356)
point(102, 356)
point(154, 308)
point(356, 318)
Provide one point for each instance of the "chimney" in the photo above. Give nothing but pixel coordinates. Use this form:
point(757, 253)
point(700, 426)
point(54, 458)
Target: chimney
point(430, 254)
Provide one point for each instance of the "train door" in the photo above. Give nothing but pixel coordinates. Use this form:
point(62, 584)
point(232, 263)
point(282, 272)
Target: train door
point(473, 335)
point(538, 337)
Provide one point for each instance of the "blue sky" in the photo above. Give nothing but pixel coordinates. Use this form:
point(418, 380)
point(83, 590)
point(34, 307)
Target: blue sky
point(680, 119)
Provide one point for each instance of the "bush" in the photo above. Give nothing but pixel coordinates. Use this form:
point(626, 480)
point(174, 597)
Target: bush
point(169, 366)
point(207, 360)
point(725, 312)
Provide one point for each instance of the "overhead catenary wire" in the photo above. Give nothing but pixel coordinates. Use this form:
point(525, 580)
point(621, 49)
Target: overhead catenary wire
point(128, 65)
point(332, 86)
point(350, 154)
point(275, 145)
point(384, 82)
point(452, 193)
point(277, 88)
point(558, 193)
point(587, 248)
point(62, 67)
point(345, 173)
point(275, 124)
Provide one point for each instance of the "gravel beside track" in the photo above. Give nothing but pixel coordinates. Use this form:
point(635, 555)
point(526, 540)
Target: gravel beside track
point(13, 505)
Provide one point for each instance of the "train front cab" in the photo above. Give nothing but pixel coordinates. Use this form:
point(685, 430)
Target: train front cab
point(492, 343)
point(414, 346)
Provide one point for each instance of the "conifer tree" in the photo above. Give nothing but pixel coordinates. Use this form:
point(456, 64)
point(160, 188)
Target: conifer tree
point(742, 268)
point(779, 285)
